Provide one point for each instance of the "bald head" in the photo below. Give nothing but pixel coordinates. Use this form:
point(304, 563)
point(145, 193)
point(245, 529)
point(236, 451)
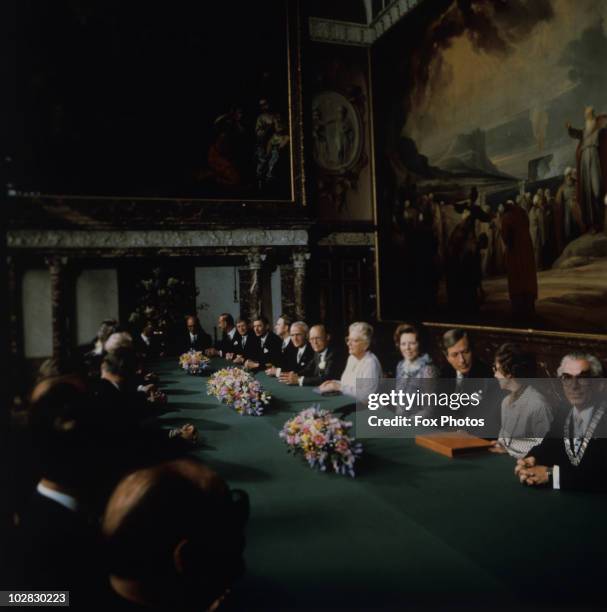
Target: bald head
point(174, 528)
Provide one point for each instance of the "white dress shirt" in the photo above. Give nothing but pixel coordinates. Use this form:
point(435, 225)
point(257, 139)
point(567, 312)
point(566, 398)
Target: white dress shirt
point(367, 371)
point(65, 500)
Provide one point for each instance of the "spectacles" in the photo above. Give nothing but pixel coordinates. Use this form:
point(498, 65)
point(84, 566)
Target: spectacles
point(584, 379)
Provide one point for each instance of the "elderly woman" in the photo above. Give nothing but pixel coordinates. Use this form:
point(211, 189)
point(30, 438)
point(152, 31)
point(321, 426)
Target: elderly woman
point(362, 365)
point(416, 364)
point(526, 413)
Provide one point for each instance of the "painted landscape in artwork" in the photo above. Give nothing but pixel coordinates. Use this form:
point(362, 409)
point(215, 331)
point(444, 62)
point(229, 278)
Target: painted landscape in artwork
point(491, 148)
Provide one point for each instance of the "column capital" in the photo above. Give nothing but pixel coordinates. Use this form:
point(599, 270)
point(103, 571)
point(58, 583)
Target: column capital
point(255, 259)
point(299, 259)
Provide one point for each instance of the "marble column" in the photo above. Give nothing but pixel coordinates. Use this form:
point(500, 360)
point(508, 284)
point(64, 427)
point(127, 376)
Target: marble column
point(255, 261)
point(299, 283)
point(61, 342)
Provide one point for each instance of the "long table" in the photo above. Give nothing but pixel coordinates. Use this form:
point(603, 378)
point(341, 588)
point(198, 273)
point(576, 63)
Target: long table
point(413, 529)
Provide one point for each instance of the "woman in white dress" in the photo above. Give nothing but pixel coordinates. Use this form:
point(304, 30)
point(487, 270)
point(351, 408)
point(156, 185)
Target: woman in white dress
point(362, 366)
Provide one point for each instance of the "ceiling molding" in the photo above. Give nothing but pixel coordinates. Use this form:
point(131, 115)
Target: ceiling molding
point(356, 34)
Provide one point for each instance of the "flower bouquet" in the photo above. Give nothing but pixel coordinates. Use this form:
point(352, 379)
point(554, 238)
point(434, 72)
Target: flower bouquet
point(322, 439)
point(194, 362)
point(239, 390)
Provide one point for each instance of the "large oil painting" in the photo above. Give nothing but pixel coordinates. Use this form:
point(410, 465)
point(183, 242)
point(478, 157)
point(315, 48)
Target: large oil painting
point(120, 99)
point(491, 148)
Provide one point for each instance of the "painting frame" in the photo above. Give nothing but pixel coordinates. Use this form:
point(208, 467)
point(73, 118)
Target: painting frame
point(295, 163)
point(528, 332)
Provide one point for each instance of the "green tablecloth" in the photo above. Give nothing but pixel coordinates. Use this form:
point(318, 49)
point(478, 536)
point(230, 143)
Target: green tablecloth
point(412, 527)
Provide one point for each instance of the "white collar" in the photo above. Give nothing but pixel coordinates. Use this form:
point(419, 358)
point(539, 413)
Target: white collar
point(193, 335)
point(63, 499)
point(286, 341)
point(145, 339)
point(231, 333)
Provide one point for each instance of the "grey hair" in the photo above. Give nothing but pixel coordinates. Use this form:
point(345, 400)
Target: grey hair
point(364, 329)
point(301, 324)
point(118, 340)
point(596, 369)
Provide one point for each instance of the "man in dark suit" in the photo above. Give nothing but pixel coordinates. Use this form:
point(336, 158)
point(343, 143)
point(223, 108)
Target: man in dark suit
point(225, 345)
point(266, 348)
point(326, 364)
point(297, 356)
point(194, 338)
point(466, 373)
point(123, 424)
point(243, 344)
point(573, 455)
point(57, 544)
point(147, 345)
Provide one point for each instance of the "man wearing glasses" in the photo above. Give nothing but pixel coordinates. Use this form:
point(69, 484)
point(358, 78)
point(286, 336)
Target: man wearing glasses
point(574, 453)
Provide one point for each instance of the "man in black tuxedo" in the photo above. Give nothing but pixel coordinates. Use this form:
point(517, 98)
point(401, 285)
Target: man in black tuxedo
point(298, 355)
point(325, 365)
point(243, 344)
point(147, 344)
point(466, 373)
point(229, 335)
point(266, 348)
point(123, 422)
point(57, 544)
point(573, 455)
point(194, 338)
point(174, 536)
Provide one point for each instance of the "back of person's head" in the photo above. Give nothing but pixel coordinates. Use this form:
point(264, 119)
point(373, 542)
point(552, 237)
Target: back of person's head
point(53, 367)
point(106, 329)
point(515, 362)
point(176, 530)
point(118, 340)
point(60, 424)
point(122, 362)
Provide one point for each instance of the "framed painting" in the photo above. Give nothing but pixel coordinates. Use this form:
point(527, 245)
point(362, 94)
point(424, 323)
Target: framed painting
point(491, 153)
point(199, 102)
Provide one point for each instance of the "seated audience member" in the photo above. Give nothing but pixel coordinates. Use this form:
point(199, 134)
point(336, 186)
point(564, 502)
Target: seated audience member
point(119, 398)
point(57, 546)
point(174, 537)
point(194, 337)
point(243, 342)
point(266, 346)
point(147, 344)
point(326, 364)
point(415, 370)
point(362, 365)
point(92, 358)
point(299, 358)
point(282, 328)
point(469, 374)
point(573, 455)
point(526, 413)
point(229, 336)
point(118, 340)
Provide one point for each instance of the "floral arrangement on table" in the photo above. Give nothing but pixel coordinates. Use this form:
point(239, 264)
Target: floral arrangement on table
point(239, 390)
point(323, 440)
point(194, 362)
